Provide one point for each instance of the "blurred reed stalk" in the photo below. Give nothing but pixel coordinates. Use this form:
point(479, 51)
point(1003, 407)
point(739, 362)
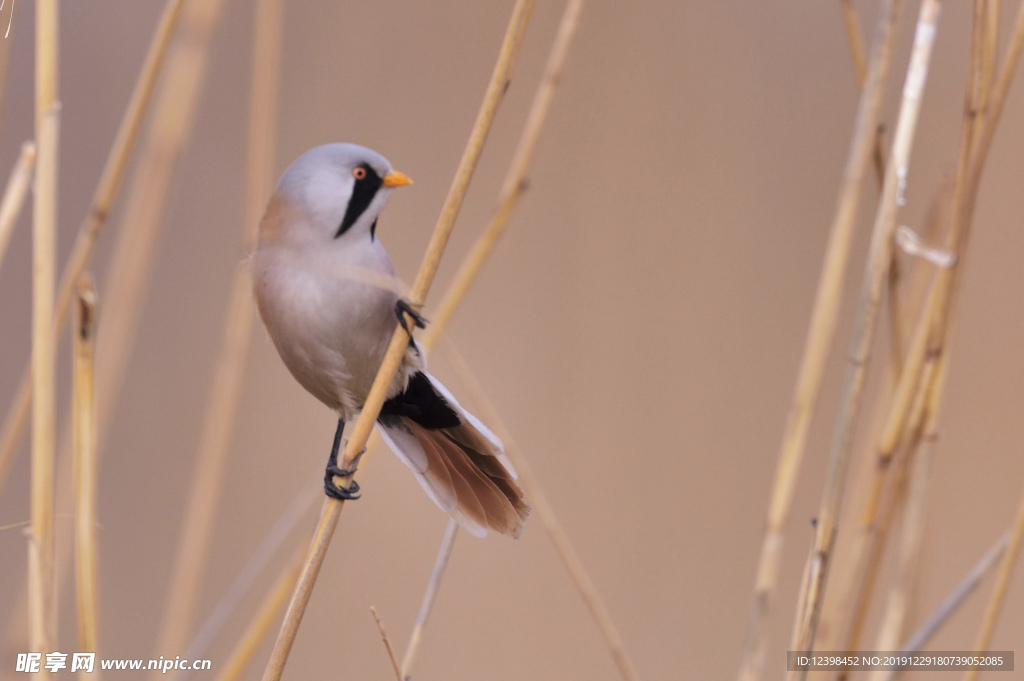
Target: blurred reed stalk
point(860, 348)
point(950, 605)
point(513, 188)
point(444, 553)
point(541, 505)
point(995, 602)
point(5, 52)
point(264, 619)
point(133, 253)
point(819, 340)
point(357, 439)
point(15, 193)
point(226, 386)
point(42, 606)
point(927, 357)
point(387, 644)
point(106, 192)
point(901, 592)
point(860, 70)
point(905, 414)
point(516, 182)
point(85, 466)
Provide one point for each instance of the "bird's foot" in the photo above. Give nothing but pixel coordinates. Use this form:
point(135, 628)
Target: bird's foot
point(333, 489)
point(404, 307)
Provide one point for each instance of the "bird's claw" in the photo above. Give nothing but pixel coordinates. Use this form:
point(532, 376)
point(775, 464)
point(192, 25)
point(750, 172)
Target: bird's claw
point(332, 470)
point(336, 491)
point(404, 307)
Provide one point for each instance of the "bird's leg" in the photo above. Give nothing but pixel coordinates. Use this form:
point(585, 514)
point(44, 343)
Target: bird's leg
point(404, 307)
point(331, 488)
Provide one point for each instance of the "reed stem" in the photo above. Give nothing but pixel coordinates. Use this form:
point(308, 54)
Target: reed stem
point(89, 231)
point(1002, 585)
point(15, 193)
point(444, 552)
point(387, 644)
point(41, 583)
point(860, 353)
point(226, 386)
point(819, 340)
point(542, 507)
point(264, 618)
point(85, 467)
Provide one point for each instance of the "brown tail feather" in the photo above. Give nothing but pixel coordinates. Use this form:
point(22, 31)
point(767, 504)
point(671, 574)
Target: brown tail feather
point(485, 492)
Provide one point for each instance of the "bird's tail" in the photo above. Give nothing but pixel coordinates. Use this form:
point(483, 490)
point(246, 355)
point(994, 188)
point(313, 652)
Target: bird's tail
point(458, 461)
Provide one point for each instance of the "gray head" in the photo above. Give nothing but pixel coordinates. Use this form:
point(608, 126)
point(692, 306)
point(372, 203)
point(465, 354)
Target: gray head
point(336, 191)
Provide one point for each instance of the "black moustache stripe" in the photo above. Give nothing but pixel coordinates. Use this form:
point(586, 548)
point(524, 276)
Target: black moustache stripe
point(362, 194)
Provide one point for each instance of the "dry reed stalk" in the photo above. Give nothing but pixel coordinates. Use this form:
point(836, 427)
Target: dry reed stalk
point(952, 602)
point(85, 468)
point(856, 43)
point(5, 53)
point(444, 552)
point(819, 340)
point(265, 616)
point(909, 387)
point(226, 386)
point(42, 605)
point(995, 602)
point(542, 507)
point(984, 108)
point(387, 644)
point(879, 260)
point(15, 193)
point(873, 531)
point(134, 250)
point(89, 231)
point(927, 343)
point(899, 601)
point(515, 183)
point(500, 79)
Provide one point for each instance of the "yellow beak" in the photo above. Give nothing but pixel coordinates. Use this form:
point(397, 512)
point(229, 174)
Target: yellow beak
point(396, 179)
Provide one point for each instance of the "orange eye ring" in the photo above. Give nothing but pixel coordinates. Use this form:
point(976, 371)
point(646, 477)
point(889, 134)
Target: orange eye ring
point(359, 173)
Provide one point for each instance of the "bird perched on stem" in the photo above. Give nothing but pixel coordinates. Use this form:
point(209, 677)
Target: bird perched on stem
point(327, 292)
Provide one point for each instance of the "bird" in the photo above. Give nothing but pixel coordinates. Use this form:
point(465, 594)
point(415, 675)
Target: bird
point(326, 290)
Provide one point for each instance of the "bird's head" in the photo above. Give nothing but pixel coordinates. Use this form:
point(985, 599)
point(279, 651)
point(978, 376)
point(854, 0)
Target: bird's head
point(331, 193)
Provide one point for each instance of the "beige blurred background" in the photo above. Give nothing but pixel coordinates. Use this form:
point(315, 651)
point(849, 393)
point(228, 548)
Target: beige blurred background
point(639, 327)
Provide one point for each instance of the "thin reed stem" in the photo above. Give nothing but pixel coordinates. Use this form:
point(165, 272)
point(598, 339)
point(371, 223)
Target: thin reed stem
point(89, 231)
point(860, 353)
point(496, 88)
point(264, 618)
point(15, 193)
point(1002, 585)
point(134, 251)
point(85, 467)
point(444, 552)
point(952, 603)
point(41, 583)
point(927, 343)
point(515, 183)
point(513, 188)
point(819, 341)
point(5, 52)
point(856, 43)
point(900, 598)
point(226, 386)
point(387, 644)
point(542, 507)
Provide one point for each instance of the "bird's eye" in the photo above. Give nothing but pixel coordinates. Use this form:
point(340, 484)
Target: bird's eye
point(359, 173)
